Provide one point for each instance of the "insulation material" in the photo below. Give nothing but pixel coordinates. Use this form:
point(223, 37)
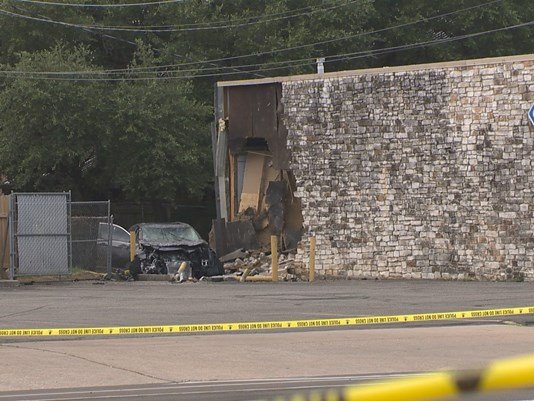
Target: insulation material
point(293, 222)
point(275, 205)
point(241, 162)
point(241, 235)
point(262, 223)
point(269, 174)
point(250, 197)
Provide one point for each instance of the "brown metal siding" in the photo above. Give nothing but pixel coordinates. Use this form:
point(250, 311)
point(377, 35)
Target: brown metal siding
point(255, 112)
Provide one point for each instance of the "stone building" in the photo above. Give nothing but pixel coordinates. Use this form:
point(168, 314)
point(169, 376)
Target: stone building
point(422, 171)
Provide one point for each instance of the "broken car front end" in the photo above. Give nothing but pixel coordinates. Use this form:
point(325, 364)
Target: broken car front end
point(163, 248)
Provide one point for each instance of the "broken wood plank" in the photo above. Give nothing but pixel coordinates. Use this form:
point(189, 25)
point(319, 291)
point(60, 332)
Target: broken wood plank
point(246, 273)
point(263, 279)
point(250, 197)
point(230, 257)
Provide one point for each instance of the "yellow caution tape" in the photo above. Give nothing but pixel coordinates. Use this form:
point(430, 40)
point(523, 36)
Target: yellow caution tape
point(436, 385)
point(507, 374)
point(266, 325)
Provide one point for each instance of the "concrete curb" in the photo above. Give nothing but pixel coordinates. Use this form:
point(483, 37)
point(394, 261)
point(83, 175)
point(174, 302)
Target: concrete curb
point(9, 283)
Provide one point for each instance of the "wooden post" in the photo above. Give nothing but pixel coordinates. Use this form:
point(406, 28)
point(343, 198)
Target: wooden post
point(183, 272)
point(245, 274)
point(312, 259)
point(232, 184)
point(132, 246)
point(274, 257)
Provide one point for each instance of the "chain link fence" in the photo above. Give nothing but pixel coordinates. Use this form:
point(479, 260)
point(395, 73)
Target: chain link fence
point(40, 234)
point(91, 224)
point(50, 235)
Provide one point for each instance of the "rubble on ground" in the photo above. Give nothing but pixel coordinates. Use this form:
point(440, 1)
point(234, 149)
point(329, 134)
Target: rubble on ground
point(257, 266)
point(239, 266)
point(118, 275)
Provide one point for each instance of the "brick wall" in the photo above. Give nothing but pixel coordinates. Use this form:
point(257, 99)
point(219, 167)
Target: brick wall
point(419, 173)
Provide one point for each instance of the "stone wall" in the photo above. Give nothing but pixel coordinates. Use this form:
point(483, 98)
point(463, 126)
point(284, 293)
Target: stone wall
point(417, 174)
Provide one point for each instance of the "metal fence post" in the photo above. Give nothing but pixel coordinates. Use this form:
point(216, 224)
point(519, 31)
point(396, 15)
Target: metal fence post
point(110, 239)
point(11, 223)
point(274, 257)
point(69, 228)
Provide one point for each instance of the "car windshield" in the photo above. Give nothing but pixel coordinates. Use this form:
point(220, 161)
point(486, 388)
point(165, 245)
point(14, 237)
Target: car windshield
point(169, 234)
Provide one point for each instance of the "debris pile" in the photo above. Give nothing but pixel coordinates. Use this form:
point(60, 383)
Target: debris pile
point(238, 266)
point(257, 266)
point(118, 275)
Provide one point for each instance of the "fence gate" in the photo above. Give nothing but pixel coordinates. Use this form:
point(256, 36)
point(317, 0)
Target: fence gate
point(4, 235)
point(40, 234)
point(91, 228)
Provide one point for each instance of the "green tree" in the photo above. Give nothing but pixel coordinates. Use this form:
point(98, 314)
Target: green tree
point(160, 137)
point(51, 132)
point(145, 139)
point(148, 138)
point(496, 15)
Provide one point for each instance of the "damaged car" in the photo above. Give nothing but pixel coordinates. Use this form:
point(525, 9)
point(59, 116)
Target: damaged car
point(163, 247)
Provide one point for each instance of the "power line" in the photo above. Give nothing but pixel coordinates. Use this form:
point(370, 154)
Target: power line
point(148, 3)
point(178, 28)
point(209, 26)
point(281, 50)
point(348, 37)
point(288, 13)
point(129, 71)
point(339, 57)
point(236, 20)
point(349, 56)
point(135, 44)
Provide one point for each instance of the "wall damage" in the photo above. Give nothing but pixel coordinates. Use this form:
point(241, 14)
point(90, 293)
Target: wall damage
point(258, 187)
point(403, 172)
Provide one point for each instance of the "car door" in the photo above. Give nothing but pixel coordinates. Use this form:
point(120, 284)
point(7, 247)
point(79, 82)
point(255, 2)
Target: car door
point(120, 246)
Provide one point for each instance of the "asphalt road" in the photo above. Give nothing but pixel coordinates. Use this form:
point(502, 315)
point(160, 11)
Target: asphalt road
point(86, 304)
point(250, 356)
point(244, 390)
point(163, 368)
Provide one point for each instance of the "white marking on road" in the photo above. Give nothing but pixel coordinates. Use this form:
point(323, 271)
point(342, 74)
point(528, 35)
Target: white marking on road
point(200, 384)
point(91, 395)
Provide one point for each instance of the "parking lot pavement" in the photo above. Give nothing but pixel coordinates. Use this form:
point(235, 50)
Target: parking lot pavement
point(127, 361)
point(85, 304)
point(233, 390)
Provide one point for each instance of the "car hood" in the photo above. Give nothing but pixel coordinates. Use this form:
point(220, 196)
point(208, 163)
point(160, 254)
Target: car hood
point(172, 246)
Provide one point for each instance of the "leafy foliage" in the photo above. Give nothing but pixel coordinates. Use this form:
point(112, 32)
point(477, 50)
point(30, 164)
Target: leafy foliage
point(50, 130)
point(149, 138)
